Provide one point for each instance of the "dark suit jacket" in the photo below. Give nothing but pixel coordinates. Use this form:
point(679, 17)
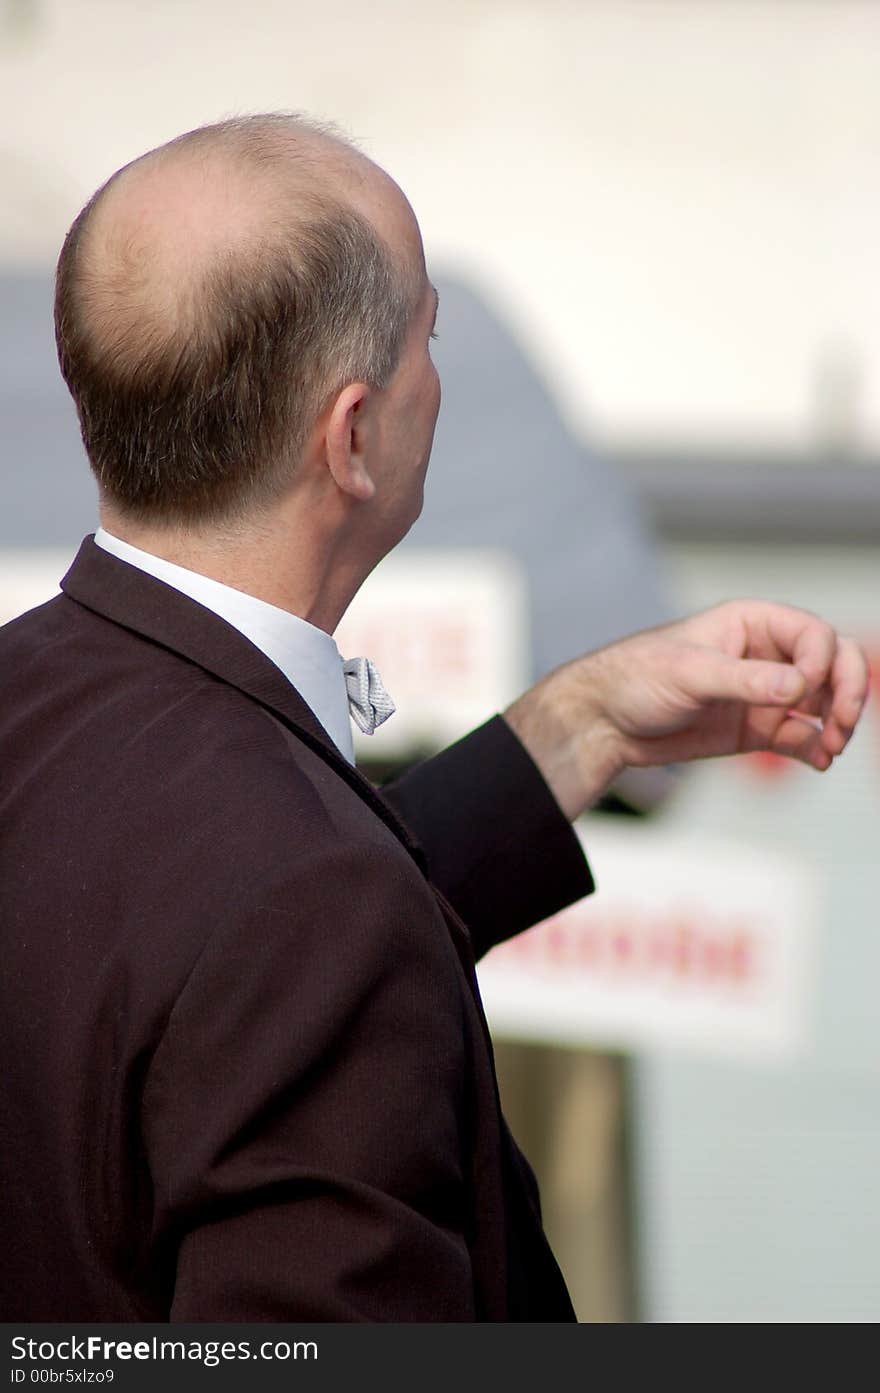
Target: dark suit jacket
point(246, 1073)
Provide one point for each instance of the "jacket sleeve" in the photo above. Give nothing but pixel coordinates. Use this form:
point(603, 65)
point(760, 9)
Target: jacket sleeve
point(303, 1110)
point(496, 841)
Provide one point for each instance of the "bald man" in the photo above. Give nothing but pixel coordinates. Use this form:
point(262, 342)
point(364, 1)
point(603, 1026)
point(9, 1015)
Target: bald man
point(246, 1070)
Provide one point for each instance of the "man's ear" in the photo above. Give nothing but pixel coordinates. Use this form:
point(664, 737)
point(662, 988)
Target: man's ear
point(345, 441)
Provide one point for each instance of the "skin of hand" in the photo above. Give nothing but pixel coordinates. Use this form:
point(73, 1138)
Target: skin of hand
point(745, 675)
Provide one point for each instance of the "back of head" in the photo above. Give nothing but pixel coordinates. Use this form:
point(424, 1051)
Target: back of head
point(210, 298)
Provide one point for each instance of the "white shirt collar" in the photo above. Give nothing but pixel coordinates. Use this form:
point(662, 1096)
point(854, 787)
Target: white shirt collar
point(306, 655)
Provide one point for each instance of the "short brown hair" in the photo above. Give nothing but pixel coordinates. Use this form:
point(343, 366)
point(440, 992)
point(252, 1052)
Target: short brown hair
point(204, 416)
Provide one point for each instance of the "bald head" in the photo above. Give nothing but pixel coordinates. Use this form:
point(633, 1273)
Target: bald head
point(213, 294)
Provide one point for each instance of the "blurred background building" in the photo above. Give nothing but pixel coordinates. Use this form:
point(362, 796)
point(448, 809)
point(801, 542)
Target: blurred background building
point(654, 224)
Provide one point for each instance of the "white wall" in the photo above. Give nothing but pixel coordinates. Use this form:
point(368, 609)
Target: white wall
point(677, 200)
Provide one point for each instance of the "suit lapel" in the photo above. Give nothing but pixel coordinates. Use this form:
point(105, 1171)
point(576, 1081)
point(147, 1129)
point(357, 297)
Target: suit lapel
point(138, 601)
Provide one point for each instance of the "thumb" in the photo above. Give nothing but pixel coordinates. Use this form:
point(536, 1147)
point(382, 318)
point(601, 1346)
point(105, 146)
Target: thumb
point(719, 677)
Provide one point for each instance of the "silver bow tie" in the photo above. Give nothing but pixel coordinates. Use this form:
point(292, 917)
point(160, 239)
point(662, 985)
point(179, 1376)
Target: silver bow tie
point(368, 701)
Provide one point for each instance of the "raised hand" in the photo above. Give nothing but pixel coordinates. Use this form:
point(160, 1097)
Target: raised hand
point(745, 675)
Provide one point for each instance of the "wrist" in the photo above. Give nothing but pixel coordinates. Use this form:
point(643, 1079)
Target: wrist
point(563, 723)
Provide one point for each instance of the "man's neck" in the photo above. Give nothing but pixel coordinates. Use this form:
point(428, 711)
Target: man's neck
point(315, 578)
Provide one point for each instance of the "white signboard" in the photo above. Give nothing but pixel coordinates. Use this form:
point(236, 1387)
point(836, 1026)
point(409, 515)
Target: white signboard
point(688, 942)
